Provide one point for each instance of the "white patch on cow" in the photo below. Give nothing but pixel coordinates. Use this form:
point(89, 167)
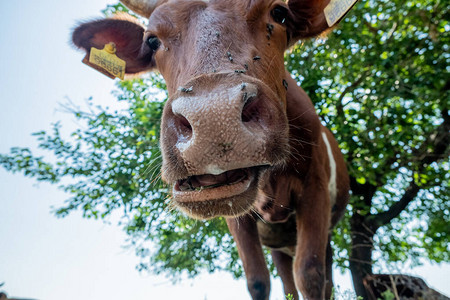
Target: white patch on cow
point(332, 183)
point(213, 169)
point(182, 146)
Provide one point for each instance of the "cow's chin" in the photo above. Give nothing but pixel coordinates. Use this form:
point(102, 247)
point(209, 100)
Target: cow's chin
point(230, 194)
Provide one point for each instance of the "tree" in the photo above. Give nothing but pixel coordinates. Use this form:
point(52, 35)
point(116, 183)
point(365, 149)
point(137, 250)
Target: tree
point(380, 84)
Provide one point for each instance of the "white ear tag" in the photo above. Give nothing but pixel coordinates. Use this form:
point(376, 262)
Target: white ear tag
point(336, 9)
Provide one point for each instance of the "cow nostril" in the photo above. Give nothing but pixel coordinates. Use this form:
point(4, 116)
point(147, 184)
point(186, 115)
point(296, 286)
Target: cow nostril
point(250, 112)
point(183, 126)
point(184, 122)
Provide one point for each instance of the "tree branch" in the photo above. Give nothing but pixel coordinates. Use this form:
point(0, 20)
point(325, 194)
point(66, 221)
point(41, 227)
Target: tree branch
point(434, 149)
point(384, 218)
point(348, 89)
point(437, 145)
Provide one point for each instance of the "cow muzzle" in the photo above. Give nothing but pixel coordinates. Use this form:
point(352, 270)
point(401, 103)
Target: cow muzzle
point(217, 139)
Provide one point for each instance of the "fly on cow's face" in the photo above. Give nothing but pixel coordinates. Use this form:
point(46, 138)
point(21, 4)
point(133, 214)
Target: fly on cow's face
point(285, 84)
point(186, 90)
point(230, 57)
point(269, 28)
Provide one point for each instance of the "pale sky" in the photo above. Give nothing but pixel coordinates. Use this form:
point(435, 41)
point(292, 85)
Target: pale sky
point(46, 258)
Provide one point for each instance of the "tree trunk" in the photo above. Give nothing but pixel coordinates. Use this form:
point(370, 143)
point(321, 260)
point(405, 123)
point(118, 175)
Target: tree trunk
point(361, 253)
point(361, 234)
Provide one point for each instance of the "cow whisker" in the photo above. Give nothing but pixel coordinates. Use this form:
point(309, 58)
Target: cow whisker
point(258, 215)
point(298, 155)
point(299, 116)
point(301, 141)
point(274, 202)
point(298, 127)
point(156, 179)
point(146, 171)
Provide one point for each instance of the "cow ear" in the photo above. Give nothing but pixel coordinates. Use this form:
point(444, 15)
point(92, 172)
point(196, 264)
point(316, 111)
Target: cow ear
point(127, 35)
point(307, 18)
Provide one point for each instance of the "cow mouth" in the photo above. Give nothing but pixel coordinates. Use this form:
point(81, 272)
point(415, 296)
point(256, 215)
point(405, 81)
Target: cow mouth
point(199, 188)
point(209, 181)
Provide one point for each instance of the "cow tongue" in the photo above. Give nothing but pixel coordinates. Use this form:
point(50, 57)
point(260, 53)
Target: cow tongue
point(210, 181)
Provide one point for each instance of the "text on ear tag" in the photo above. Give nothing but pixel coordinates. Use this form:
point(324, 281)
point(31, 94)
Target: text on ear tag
point(336, 9)
point(106, 61)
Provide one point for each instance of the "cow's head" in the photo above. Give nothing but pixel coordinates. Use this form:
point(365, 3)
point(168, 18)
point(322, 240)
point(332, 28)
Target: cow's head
point(225, 121)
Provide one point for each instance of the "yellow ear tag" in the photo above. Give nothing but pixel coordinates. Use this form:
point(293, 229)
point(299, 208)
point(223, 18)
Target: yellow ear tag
point(106, 61)
point(336, 9)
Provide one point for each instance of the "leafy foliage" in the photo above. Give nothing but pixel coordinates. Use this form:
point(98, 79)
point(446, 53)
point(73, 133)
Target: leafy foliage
point(380, 83)
point(114, 161)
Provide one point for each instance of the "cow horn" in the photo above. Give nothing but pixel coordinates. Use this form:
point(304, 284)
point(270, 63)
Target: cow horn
point(143, 8)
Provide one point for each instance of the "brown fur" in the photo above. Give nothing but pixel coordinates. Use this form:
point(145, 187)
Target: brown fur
point(401, 286)
point(239, 138)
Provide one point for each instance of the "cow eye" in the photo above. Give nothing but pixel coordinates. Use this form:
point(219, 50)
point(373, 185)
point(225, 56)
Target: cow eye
point(153, 42)
point(279, 14)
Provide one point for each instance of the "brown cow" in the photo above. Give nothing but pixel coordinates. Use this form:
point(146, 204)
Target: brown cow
point(239, 138)
point(401, 286)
